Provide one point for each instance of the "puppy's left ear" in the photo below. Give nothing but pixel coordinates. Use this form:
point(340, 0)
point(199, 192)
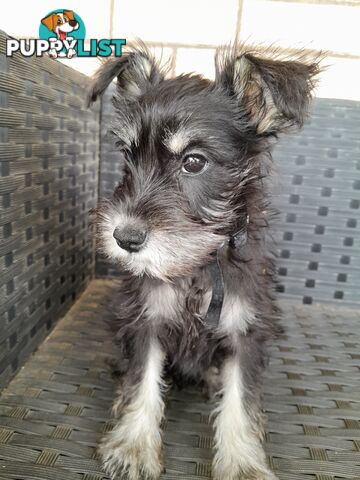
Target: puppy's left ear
point(50, 21)
point(274, 94)
point(135, 72)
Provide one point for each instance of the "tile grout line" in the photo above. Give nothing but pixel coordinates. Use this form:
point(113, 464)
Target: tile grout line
point(111, 19)
point(238, 21)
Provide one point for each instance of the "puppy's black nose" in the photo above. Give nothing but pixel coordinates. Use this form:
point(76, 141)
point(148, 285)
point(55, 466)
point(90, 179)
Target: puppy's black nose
point(130, 238)
point(73, 23)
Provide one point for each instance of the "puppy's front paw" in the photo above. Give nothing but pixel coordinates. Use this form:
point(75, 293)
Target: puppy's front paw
point(260, 476)
point(71, 53)
point(135, 460)
point(234, 469)
point(53, 53)
point(219, 474)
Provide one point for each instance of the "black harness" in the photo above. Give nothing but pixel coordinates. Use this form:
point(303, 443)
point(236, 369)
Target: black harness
point(236, 242)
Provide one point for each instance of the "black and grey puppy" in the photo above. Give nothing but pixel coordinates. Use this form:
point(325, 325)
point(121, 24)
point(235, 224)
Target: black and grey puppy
point(197, 154)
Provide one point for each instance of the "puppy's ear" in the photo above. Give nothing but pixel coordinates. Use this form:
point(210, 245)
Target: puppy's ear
point(135, 72)
point(274, 94)
point(50, 21)
point(69, 14)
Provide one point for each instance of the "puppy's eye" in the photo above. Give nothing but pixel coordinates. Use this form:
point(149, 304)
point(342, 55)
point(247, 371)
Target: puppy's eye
point(194, 164)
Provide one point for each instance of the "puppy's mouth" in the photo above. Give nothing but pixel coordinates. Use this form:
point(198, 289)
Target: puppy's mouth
point(62, 34)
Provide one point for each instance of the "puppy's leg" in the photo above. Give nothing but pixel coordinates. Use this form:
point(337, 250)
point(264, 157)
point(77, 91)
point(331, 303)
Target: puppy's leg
point(133, 447)
point(53, 53)
point(238, 430)
point(71, 53)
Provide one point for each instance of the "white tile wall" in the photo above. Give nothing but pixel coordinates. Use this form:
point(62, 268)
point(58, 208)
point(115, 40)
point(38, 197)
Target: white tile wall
point(328, 27)
point(86, 65)
point(195, 60)
point(96, 16)
point(341, 79)
point(187, 21)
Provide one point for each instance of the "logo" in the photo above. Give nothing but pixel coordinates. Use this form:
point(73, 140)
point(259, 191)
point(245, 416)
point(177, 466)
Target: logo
point(66, 27)
point(62, 34)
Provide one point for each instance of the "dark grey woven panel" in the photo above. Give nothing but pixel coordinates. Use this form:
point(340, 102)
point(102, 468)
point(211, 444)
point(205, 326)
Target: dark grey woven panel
point(319, 201)
point(55, 410)
point(49, 164)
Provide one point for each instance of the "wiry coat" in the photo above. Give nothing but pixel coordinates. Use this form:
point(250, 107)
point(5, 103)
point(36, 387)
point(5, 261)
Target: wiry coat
point(230, 124)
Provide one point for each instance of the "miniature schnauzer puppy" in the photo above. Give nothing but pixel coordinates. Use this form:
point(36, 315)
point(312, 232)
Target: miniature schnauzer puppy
point(189, 221)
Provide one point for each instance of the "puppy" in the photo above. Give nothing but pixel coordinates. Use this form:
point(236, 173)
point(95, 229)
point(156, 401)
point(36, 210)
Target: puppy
point(189, 223)
point(61, 24)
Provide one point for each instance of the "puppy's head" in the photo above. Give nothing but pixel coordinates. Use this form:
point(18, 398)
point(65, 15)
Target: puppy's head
point(61, 23)
point(193, 154)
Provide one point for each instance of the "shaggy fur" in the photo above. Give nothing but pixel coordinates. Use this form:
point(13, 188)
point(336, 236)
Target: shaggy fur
point(228, 125)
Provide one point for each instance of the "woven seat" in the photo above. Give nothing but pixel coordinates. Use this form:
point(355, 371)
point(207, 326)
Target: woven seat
point(55, 410)
point(55, 405)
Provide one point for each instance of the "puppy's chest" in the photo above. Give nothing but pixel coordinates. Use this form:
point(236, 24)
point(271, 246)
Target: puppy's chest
point(183, 305)
point(177, 303)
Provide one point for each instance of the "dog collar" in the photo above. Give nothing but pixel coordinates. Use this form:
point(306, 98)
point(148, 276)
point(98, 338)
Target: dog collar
point(236, 242)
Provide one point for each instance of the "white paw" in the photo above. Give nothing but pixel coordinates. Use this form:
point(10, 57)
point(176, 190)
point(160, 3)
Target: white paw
point(261, 476)
point(221, 470)
point(236, 467)
point(71, 53)
point(53, 53)
point(134, 460)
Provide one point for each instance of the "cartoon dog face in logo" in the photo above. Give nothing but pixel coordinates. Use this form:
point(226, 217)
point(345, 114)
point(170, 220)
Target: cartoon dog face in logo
point(62, 24)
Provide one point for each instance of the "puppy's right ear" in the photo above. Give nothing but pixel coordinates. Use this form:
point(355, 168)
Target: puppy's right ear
point(135, 72)
point(275, 93)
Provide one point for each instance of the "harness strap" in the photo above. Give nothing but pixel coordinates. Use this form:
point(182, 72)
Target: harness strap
point(217, 298)
point(236, 241)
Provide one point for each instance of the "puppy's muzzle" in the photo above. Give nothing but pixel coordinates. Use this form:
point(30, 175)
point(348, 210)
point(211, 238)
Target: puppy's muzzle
point(130, 239)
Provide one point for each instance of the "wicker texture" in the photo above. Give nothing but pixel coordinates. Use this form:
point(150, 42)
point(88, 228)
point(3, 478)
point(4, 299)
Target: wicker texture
point(55, 410)
point(319, 201)
point(48, 182)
